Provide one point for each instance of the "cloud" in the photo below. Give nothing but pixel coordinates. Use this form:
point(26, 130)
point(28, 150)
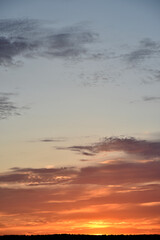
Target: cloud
point(32, 38)
point(148, 99)
point(114, 183)
point(147, 48)
point(10, 48)
point(121, 196)
point(96, 79)
point(102, 174)
point(143, 148)
point(119, 173)
point(110, 195)
point(42, 176)
point(128, 161)
point(47, 140)
point(157, 75)
point(7, 107)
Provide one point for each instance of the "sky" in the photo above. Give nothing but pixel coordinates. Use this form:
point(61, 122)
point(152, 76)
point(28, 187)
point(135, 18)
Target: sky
point(79, 116)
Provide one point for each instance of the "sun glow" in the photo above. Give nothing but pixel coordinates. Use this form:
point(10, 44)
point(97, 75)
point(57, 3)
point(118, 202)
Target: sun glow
point(97, 224)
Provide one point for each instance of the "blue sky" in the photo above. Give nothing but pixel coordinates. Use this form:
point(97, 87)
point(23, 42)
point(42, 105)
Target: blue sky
point(73, 74)
point(106, 85)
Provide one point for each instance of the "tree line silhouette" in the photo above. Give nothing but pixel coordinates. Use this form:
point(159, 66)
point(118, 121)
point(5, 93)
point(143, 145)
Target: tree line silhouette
point(80, 237)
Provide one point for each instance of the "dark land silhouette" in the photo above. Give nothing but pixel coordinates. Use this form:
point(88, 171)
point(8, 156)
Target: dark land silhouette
point(79, 237)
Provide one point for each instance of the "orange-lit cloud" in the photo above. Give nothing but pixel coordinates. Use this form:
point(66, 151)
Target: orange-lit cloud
point(112, 197)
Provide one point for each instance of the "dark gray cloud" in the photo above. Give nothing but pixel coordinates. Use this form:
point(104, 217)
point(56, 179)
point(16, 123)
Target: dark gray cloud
point(53, 140)
point(157, 76)
point(10, 48)
point(147, 48)
point(7, 107)
point(143, 148)
point(152, 76)
point(148, 99)
point(32, 38)
point(96, 79)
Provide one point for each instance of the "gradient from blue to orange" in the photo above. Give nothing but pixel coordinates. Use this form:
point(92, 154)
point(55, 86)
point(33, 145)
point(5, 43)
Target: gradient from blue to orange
point(79, 116)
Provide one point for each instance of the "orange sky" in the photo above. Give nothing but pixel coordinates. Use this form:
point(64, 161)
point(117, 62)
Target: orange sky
point(114, 197)
point(90, 209)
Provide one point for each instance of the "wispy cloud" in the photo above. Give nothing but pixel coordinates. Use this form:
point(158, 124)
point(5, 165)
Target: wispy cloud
point(147, 48)
point(96, 79)
point(131, 145)
point(148, 99)
point(7, 107)
point(157, 75)
point(154, 76)
point(144, 57)
point(42, 176)
point(120, 172)
point(47, 140)
point(32, 38)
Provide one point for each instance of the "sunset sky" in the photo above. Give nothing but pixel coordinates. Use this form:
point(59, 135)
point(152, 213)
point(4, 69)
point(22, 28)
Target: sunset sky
point(80, 116)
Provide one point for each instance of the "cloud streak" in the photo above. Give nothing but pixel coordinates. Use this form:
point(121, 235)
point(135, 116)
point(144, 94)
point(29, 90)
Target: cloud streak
point(47, 140)
point(32, 38)
point(7, 107)
point(42, 176)
point(121, 172)
point(147, 48)
point(151, 99)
